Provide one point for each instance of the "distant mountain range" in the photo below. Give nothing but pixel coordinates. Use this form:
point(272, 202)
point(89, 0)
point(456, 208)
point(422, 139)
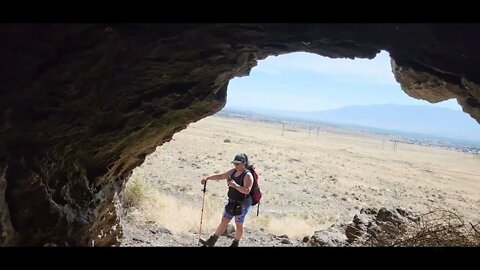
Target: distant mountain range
point(426, 120)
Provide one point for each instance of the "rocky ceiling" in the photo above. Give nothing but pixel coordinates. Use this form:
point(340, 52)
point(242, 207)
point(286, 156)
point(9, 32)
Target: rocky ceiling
point(82, 105)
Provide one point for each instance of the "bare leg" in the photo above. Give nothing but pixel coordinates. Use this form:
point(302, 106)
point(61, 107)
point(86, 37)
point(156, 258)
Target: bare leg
point(222, 226)
point(239, 230)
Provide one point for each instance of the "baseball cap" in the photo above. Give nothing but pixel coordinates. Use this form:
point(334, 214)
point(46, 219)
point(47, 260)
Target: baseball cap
point(239, 158)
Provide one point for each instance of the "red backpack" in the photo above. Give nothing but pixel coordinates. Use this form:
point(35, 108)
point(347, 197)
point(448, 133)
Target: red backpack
point(255, 192)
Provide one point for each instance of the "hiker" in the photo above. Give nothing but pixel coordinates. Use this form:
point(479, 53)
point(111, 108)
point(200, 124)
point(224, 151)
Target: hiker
point(239, 181)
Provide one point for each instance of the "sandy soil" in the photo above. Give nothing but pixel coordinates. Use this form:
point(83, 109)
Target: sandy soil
point(311, 178)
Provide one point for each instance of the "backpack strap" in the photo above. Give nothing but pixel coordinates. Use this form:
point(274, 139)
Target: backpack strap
point(243, 175)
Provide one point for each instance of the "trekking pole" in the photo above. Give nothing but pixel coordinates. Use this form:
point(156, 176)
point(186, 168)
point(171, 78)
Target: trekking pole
point(203, 203)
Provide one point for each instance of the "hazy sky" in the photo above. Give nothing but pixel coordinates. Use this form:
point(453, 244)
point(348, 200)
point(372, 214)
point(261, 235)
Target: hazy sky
point(309, 82)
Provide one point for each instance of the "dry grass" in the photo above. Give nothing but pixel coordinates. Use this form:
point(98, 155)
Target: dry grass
point(148, 204)
point(174, 214)
point(307, 180)
point(292, 226)
point(135, 192)
point(437, 228)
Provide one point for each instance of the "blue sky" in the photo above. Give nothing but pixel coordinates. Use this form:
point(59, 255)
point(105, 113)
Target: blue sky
point(309, 82)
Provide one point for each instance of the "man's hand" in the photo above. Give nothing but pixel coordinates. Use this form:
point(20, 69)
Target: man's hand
point(203, 181)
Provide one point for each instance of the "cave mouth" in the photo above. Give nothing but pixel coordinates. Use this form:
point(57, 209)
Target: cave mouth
point(84, 104)
point(333, 169)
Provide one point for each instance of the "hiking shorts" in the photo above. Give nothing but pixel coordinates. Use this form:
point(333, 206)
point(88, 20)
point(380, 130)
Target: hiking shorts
point(240, 218)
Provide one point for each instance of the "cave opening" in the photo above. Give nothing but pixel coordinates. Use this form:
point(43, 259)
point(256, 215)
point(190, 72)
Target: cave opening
point(329, 137)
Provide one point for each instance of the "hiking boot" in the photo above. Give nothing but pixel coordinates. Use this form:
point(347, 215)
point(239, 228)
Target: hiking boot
point(210, 242)
point(235, 243)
